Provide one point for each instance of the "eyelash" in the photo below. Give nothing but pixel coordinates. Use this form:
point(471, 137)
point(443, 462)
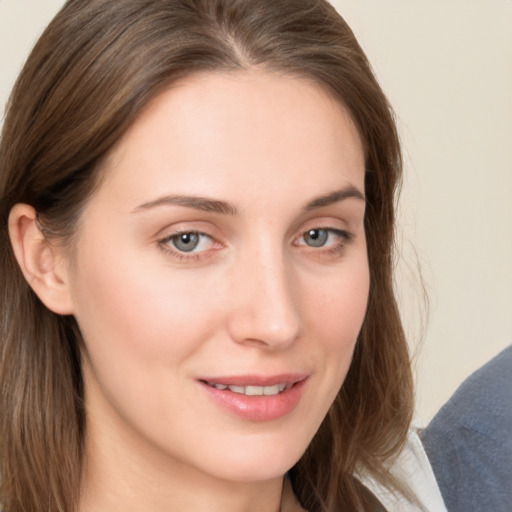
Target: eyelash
point(336, 248)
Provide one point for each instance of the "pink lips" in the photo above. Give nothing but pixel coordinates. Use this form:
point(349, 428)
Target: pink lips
point(257, 407)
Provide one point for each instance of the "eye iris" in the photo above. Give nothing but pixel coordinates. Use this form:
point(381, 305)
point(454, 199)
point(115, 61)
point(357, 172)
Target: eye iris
point(316, 237)
point(186, 242)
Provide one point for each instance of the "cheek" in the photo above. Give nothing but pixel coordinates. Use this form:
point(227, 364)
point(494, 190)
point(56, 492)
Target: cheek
point(338, 313)
point(141, 311)
point(137, 321)
point(334, 309)
point(337, 308)
point(140, 326)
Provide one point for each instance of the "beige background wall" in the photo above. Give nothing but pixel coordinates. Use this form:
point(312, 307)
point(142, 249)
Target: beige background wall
point(447, 69)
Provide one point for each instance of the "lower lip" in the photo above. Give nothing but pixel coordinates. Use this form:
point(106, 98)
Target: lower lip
point(257, 408)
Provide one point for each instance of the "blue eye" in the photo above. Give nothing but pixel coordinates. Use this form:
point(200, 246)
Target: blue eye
point(190, 241)
point(189, 245)
point(186, 242)
point(334, 239)
point(316, 237)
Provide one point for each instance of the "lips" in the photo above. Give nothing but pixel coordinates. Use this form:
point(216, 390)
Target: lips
point(256, 398)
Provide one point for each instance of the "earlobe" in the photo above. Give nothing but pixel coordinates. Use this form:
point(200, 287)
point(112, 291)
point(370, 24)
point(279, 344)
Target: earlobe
point(42, 263)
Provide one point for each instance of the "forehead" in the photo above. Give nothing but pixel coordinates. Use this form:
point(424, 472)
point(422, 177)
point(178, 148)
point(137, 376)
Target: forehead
point(217, 131)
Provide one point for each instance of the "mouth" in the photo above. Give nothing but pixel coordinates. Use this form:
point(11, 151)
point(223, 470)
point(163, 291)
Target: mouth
point(273, 390)
point(256, 398)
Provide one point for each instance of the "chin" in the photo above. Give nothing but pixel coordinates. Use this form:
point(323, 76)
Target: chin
point(255, 459)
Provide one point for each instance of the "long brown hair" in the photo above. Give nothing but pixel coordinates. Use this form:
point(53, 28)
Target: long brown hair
point(93, 70)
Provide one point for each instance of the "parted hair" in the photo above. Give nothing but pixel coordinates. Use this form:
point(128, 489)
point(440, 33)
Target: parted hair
point(92, 72)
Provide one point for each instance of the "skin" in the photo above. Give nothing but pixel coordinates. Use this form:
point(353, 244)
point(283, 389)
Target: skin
point(254, 297)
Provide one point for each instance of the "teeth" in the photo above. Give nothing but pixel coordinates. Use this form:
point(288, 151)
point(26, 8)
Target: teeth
point(254, 390)
point(271, 390)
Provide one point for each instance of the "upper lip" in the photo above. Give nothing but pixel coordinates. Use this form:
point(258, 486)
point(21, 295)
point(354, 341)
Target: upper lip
point(256, 380)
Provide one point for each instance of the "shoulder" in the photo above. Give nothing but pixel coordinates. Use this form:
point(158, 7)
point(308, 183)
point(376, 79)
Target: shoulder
point(469, 442)
point(484, 396)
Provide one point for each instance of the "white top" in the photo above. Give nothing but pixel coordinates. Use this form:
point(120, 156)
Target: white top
point(413, 468)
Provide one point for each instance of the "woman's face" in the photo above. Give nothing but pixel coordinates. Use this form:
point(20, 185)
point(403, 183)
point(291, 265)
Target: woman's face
point(220, 276)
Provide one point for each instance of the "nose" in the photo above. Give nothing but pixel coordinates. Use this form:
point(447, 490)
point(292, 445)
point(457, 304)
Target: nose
point(265, 309)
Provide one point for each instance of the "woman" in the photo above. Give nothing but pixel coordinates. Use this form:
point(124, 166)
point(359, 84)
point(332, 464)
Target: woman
point(196, 235)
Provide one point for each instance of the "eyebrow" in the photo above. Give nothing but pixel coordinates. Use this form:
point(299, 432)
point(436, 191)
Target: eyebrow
point(223, 207)
point(196, 202)
point(335, 197)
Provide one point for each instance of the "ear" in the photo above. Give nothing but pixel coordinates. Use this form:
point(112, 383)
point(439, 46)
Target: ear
point(43, 264)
